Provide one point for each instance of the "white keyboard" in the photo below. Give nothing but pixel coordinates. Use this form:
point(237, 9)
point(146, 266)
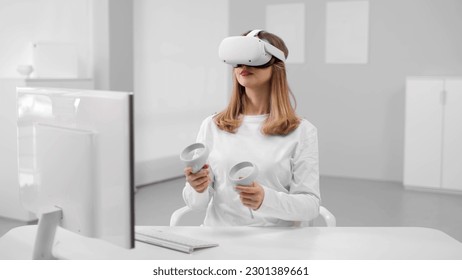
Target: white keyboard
point(170, 240)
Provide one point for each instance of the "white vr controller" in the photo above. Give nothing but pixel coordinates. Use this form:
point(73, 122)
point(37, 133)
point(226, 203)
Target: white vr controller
point(248, 50)
point(195, 156)
point(243, 174)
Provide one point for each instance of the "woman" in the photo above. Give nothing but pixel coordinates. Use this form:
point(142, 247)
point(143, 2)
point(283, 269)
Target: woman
point(259, 125)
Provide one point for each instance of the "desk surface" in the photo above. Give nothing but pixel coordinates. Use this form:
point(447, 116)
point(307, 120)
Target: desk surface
point(244, 243)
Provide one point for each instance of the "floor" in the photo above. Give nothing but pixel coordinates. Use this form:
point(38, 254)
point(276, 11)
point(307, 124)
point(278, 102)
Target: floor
point(353, 202)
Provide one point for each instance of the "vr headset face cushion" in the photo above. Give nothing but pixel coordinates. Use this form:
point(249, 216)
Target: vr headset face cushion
point(244, 50)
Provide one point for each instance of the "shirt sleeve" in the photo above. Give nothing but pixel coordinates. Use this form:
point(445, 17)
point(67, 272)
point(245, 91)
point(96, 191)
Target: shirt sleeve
point(193, 199)
point(301, 202)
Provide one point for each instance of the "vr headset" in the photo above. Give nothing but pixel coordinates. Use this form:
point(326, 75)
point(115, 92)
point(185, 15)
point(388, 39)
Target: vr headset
point(248, 50)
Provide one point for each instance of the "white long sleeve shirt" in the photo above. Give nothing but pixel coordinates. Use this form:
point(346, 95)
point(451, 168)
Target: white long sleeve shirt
point(288, 172)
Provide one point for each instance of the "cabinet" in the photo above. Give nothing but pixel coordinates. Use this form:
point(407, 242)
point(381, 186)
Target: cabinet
point(433, 133)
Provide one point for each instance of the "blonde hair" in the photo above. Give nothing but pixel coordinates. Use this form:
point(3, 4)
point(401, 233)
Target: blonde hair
point(282, 118)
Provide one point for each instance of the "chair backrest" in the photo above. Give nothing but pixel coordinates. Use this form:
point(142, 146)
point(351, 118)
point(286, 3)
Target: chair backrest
point(195, 217)
point(324, 214)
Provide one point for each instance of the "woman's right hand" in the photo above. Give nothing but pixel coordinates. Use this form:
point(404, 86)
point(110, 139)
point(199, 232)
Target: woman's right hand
point(200, 180)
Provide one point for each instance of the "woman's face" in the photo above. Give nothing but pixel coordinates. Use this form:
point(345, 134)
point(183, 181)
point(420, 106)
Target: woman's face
point(252, 77)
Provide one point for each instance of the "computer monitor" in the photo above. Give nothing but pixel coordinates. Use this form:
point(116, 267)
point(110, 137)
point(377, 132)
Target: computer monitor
point(76, 163)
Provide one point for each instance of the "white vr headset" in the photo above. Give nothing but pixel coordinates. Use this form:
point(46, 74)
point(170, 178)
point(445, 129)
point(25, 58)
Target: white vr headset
point(248, 50)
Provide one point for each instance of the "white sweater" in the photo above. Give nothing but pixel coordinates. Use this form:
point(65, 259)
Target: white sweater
point(288, 172)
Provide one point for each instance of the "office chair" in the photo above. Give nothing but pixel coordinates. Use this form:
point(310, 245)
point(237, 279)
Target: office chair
point(326, 215)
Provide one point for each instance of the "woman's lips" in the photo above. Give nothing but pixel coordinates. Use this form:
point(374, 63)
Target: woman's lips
point(245, 73)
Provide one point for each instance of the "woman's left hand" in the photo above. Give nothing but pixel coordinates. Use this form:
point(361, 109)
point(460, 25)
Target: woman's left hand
point(251, 196)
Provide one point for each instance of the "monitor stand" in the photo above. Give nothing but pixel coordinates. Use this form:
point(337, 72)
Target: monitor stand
point(46, 231)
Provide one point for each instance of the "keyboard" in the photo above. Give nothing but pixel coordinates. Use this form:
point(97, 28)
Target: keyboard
point(170, 240)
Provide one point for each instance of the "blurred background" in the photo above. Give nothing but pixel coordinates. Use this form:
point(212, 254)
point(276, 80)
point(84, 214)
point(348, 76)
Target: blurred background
point(348, 68)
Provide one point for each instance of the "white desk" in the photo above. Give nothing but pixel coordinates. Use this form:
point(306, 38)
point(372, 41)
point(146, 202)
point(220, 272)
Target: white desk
point(241, 243)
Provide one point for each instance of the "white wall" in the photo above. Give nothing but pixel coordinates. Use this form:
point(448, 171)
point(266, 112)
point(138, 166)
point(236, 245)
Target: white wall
point(178, 78)
point(26, 21)
point(121, 44)
point(359, 109)
point(101, 44)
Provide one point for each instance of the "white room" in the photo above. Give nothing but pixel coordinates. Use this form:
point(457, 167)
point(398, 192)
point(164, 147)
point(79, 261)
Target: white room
point(381, 80)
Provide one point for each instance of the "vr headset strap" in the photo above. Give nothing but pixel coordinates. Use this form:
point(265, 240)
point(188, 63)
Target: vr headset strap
point(253, 33)
point(268, 47)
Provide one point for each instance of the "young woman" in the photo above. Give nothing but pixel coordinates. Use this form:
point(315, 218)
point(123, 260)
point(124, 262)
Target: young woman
point(259, 125)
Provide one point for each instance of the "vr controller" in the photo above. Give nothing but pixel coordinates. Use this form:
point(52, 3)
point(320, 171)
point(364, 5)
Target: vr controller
point(243, 174)
point(248, 50)
point(195, 156)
